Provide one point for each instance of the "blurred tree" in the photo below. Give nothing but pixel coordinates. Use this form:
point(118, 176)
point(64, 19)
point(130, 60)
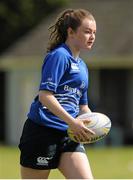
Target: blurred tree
point(17, 17)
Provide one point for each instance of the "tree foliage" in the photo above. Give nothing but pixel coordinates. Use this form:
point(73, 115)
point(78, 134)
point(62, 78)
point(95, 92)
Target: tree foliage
point(19, 16)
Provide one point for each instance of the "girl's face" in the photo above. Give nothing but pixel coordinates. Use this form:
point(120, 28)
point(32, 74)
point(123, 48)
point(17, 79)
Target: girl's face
point(84, 36)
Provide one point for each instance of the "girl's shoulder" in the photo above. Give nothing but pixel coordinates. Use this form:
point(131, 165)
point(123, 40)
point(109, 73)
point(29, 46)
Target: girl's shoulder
point(59, 54)
point(61, 51)
point(56, 57)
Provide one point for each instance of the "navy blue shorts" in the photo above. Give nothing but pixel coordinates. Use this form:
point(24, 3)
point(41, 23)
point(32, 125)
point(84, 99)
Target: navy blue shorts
point(41, 147)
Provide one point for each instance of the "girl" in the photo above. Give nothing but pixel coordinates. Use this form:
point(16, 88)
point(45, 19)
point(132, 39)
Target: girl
point(62, 96)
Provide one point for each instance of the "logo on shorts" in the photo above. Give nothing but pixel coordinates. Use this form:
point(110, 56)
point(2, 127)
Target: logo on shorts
point(41, 161)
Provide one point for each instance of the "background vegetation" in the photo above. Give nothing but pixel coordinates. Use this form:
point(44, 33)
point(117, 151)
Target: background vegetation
point(18, 17)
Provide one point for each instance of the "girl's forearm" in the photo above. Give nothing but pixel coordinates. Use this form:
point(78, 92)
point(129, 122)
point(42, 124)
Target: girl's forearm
point(84, 109)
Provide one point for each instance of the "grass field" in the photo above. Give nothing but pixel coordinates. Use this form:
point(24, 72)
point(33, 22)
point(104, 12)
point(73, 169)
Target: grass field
point(106, 163)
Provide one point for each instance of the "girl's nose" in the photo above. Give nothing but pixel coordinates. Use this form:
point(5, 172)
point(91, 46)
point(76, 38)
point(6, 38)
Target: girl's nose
point(92, 36)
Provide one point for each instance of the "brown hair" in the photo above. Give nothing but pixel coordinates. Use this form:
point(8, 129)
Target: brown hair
point(68, 18)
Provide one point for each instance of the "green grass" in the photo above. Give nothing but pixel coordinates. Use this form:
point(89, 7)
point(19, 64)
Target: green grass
point(106, 163)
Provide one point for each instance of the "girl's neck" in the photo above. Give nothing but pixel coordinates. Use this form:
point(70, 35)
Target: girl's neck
point(74, 50)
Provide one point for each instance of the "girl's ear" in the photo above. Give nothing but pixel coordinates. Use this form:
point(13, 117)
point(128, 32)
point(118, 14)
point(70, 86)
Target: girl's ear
point(70, 32)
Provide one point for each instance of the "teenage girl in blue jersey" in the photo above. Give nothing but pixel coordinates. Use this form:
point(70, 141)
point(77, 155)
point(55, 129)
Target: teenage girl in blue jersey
point(62, 96)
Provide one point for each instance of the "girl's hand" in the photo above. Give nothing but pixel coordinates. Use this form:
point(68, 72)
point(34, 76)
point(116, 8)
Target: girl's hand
point(79, 129)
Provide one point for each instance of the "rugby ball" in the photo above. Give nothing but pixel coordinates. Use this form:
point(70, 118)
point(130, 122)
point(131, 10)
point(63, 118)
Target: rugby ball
point(99, 123)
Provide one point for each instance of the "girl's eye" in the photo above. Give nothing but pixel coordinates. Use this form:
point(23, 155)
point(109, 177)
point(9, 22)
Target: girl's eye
point(87, 32)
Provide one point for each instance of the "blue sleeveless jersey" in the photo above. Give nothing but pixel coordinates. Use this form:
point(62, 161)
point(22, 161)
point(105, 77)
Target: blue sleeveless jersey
point(68, 79)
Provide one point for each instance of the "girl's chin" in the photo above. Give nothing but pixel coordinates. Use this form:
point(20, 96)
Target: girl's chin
point(88, 47)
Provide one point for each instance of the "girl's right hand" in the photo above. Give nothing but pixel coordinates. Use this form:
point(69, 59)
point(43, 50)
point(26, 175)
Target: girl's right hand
point(79, 129)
